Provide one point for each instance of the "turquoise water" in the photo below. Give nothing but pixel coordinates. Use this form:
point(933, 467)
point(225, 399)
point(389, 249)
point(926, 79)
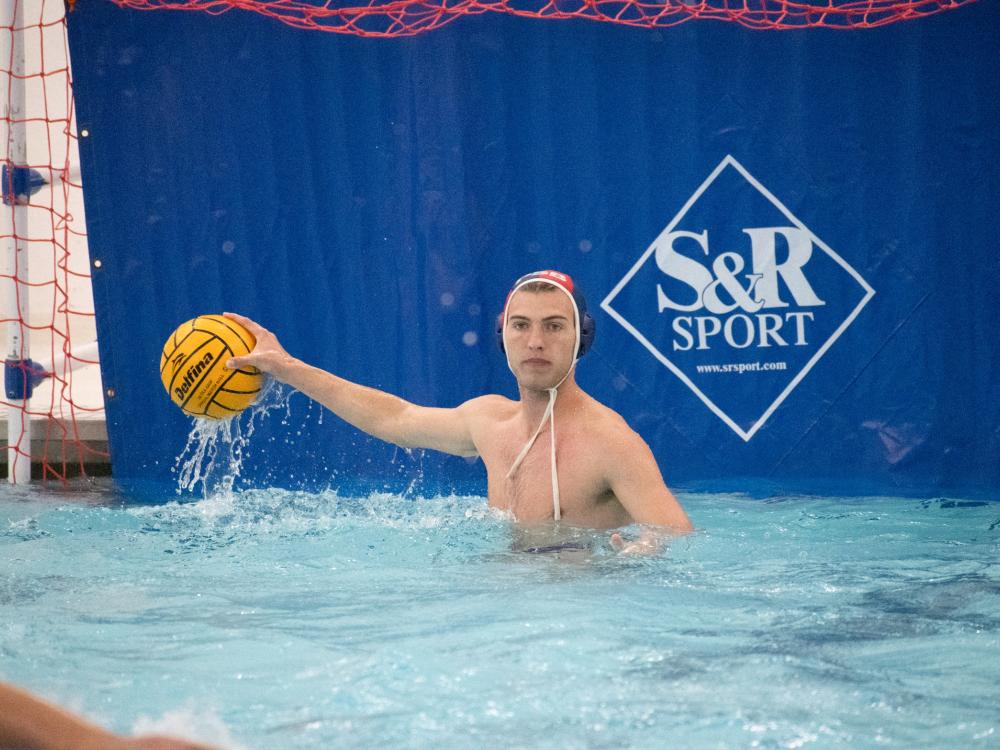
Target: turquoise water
point(273, 619)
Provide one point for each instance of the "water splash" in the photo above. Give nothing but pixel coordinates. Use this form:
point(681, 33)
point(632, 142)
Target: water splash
point(275, 511)
point(188, 722)
point(213, 454)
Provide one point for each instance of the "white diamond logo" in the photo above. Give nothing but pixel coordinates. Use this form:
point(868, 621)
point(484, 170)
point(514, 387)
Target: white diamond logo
point(738, 298)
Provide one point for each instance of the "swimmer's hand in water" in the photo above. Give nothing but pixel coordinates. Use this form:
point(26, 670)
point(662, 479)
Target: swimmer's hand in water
point(268, 355)
point(650, 542)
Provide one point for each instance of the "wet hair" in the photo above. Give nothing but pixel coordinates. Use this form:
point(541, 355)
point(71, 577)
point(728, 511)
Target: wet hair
point(538, 286)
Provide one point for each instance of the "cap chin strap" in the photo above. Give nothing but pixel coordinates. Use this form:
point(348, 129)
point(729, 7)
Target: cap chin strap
point(550, 413)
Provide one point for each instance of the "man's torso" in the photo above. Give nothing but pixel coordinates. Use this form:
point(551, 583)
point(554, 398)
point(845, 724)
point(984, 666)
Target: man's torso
point(585, 497)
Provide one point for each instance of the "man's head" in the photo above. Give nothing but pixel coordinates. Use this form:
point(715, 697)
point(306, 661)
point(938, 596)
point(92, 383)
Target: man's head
point(544, 328)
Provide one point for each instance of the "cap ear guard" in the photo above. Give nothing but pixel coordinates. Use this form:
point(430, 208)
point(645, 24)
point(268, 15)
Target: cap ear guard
point(499, 329)
point(588, 330)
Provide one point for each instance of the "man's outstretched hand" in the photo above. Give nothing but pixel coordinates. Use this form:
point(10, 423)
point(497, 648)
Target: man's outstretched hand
point(268, 355)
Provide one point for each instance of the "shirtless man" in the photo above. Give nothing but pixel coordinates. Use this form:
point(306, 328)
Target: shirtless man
point(595, 472)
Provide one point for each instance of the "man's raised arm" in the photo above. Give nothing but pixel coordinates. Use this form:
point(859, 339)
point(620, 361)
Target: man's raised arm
point(380, 414)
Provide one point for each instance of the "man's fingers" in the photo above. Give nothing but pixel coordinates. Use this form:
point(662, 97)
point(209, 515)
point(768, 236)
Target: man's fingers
point(255, 328)
point(616, 542)
point(242, 319)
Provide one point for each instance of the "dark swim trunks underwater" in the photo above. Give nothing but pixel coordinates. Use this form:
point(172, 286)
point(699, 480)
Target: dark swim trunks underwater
point(562, 547)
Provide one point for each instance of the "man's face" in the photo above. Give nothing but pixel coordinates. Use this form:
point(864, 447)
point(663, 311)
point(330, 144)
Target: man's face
point(540, 337)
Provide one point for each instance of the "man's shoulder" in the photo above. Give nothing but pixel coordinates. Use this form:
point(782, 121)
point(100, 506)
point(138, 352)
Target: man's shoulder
point(490, 405)
point(611, 429)
point(605, 417)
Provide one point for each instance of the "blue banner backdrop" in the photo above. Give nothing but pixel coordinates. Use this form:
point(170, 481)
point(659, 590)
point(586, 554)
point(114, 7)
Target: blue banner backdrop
point(788, 239)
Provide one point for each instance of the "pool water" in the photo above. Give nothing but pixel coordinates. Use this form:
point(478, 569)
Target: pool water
point(275, 619)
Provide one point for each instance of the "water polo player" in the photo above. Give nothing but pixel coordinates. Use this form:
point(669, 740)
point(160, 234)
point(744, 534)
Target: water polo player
point(556, 453)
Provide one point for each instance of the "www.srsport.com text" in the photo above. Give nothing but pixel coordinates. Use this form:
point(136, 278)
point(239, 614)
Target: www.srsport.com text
point(741, 367)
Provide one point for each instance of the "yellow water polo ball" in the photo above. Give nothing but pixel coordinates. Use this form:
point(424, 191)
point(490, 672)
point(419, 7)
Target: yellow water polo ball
point(193, 368)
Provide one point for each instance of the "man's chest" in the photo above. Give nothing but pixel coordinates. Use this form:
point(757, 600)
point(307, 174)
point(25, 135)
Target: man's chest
point(528, 492)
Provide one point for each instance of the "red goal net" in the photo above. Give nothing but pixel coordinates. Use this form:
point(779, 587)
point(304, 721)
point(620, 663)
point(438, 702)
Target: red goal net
point(51, 407)
point(391, 18)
